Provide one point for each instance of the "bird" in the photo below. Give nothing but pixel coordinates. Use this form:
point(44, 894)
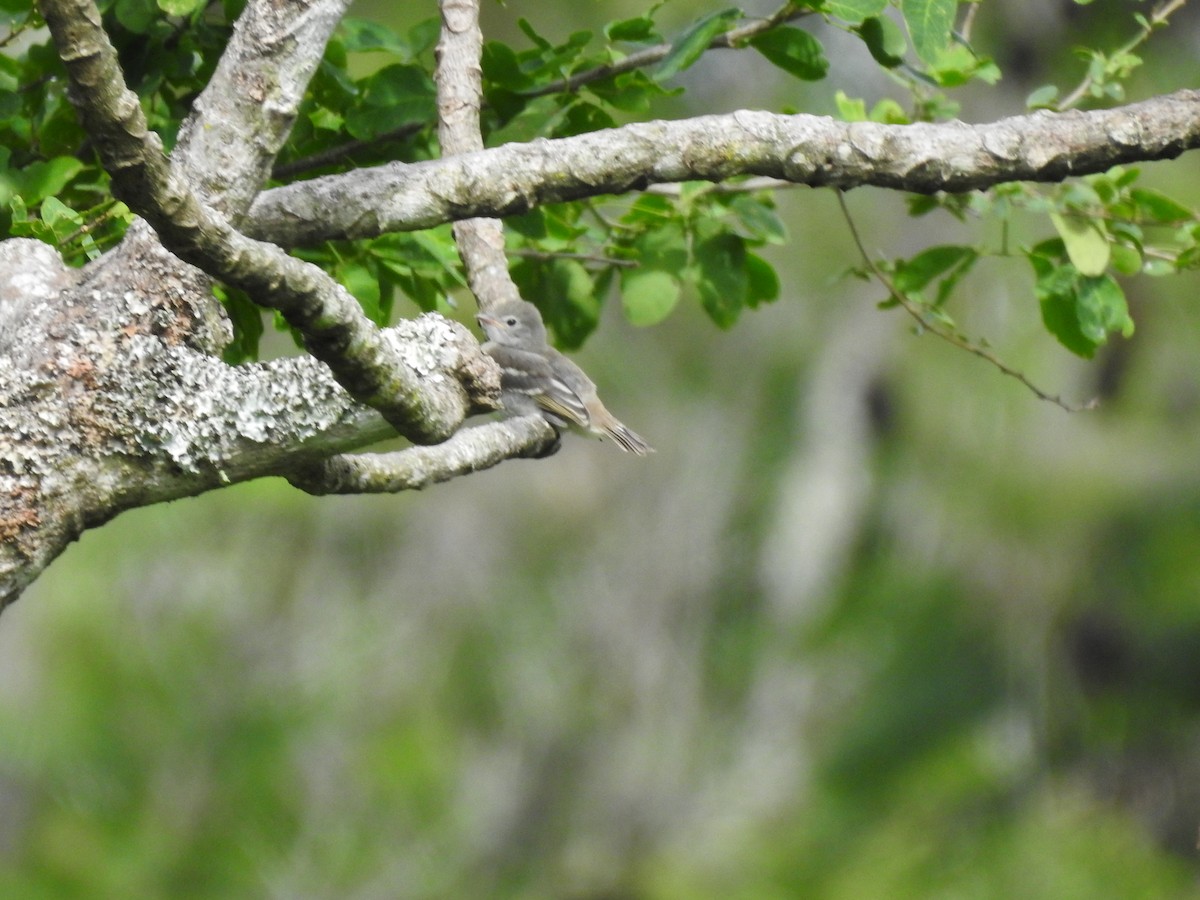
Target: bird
point(536, 377)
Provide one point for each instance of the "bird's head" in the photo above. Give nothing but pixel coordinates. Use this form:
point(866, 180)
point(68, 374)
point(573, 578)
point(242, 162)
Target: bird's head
point(514, 323)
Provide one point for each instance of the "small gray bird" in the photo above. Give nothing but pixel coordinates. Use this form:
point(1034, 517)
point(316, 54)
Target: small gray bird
point(536, 377)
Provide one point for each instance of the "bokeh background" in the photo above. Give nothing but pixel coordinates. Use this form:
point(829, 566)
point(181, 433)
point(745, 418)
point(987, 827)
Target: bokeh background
point(873, 622)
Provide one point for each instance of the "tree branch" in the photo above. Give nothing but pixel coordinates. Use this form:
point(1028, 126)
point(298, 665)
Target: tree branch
point(246, 111)
point(949, 335)
point(460, 93)
point(812, 150)
point(104, 407)
point(481, 246)
point(733, 38)
point(420, 402)
point(469, 450)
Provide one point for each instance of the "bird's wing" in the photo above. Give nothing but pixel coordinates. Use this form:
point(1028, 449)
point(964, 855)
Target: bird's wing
point(531, 373)
point(568, 390)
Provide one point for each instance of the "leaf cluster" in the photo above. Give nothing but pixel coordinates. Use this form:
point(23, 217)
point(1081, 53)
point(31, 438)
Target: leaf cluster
point(696, 243)
point(51, 184)
point(1107, 228)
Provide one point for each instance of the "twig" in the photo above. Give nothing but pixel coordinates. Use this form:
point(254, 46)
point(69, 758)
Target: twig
point(88, 227)
point(331, 155)
point(648, 57)
point(951, 337)
point(528, 253)
point(968, 22)
point(16, 31)
point(1158, 17)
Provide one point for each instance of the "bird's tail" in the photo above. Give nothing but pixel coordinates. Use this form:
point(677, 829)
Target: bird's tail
point(627, 440)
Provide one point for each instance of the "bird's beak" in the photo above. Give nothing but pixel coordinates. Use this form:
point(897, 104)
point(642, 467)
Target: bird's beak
point(484, 320)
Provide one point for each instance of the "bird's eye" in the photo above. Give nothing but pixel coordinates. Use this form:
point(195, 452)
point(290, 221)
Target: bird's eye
point(510, 321)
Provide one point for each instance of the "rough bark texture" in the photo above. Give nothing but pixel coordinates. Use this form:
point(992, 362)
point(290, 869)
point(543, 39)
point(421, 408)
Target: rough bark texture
point(802, 149)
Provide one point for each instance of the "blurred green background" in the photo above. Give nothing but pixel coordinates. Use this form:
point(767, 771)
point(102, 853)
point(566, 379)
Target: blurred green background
point(873, 622)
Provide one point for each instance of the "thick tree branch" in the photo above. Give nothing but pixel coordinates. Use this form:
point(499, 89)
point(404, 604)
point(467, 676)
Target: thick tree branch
point(419, 402)
point(246, 111)
point(803, 149)
point(103, 407)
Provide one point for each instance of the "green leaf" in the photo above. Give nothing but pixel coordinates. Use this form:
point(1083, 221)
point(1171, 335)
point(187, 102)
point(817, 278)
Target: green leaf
point(692, 44)
point(855, 11)
point(326, 119)
point(180, 7)
point(55, 212)
point(851, 109)
point(914, 274)
point(1126, 260)
point(45, 179)
point(889, 112)
point(757, 220)
point(929, 23)
point(364, 285)
point(530, 33)
point(1102, 309)
point(1188, 259)
point(247, 320)
point(1125, 177)
point(1086, 243)
point(502, 67)
point(884, 40)
point(364, 35)
point(1080, 196)
point(922, 204)
point(394, 96)
point(570, 302)
point(648, 295)
point(531, 224)
point(652, 211)
point(424, 35)
point(956, 64)
point(583, 117)
point(638, 30)
point(1045, 97)
point(136, 15)
point(723, 282)
point(539, 118)
point(795, 51)
point(629, 91)
point(1158, 207)
point(1056, 292)
point(404, 86)
point(762, 282)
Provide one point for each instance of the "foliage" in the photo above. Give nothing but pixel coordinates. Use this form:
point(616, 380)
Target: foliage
point(694, 243)
point(265, 739)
